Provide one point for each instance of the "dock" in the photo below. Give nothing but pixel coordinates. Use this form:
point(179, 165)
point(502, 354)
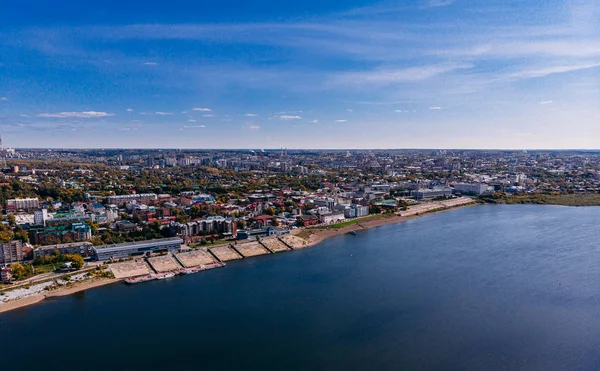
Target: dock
point(294, 242)
point(225, 253)
point(130, 269)
point(165, 263)
point(274, 245)
point(250, 249)
point(195, 258)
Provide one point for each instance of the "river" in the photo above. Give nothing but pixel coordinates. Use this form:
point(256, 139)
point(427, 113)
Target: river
point(479, 288)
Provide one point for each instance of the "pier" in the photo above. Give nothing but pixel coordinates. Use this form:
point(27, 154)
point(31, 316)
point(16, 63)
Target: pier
point(225, 253)
point(250, 249)
point(274, 245)
point(130, 269)
point(294, 242)
point(196, 258)
point(163, 264)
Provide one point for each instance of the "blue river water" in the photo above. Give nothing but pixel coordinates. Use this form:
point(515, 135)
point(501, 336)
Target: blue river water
point(479, 288)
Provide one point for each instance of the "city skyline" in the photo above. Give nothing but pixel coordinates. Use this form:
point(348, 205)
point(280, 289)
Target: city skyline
point(354, 74)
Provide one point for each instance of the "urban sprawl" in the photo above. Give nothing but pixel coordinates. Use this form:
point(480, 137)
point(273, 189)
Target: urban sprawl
point(158, 211)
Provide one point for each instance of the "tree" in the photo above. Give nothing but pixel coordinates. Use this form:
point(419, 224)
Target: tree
point(18, 271)
point(77, 261)
point(11, 220)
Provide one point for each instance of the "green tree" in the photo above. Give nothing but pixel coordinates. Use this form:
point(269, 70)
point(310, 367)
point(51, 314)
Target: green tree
point(77, 261)
point(18, 271)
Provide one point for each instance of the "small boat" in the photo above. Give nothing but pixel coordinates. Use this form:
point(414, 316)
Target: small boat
point(165, 276)
point(352, 233)
point(139, 279)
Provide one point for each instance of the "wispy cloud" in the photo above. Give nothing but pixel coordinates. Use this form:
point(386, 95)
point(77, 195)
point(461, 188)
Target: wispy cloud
point(435, 108)
point(81, 115)
point(545, 71)
point(129, 110)
point(208, 115)
point(254, 127)
point(191, 120)
point(546, 102)
point(150, 64)
point(202, 109)
point(386, 76)
point(250, 114)
point(195, 127)
point(3, 99)
point(437, 3)
point(288, 117)
point(163, 113)
point(341, 121)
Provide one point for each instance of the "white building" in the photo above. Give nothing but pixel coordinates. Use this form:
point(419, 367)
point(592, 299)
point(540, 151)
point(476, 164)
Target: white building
point(40, 216)
point(475, 188)
point(22, 204)
point(356, 211)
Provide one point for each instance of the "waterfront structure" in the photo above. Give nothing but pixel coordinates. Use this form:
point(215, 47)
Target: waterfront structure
point(430, 193)
point(333, 218)
point(26, 204)
point(356, 211)
point(40, 216)
point(476, 188)
point(11, 252)
point(127, 249)
point(83, 248)
point(244, 234)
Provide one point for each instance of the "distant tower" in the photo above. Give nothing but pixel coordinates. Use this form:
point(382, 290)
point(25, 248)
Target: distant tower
point(2, 155)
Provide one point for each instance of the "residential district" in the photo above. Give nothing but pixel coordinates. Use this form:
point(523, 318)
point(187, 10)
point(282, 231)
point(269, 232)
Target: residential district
point(160, 211)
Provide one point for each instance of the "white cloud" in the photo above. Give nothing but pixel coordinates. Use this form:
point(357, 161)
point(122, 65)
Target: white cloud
point(386, 76)
point(250, 114)
point(545, 71)
point(349, 110)
point(437, 3)
point(208, 115)
point(163, 113)
point(129, 110)
point(435, 108)
point(287, 117)
point(341, 121)
point(254, 127)
point(315, 121)
point(546, 102)
point(202, 109)
point(194, 127)
point(3, 99)
point(401, 111)
point(191, 120)
point(81, 115)
point(150, 64)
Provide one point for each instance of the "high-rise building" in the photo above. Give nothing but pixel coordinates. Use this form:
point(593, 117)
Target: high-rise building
point(40, 216)
point(11, 252)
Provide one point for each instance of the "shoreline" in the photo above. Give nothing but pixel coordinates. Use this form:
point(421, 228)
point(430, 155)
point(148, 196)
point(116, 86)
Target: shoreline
point(315, 236)
point(61, 291)
point(320, 234)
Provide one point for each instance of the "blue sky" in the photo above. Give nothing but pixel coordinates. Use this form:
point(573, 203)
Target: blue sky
point(310, 74)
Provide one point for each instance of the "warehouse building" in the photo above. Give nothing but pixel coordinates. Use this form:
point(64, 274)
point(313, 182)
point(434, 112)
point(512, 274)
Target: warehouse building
point(127, 249)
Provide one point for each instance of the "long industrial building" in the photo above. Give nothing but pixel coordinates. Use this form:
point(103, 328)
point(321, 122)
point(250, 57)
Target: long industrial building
point(127, 249)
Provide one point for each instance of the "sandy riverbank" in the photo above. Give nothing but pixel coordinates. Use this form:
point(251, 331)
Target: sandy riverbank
point(61, 291)
point(319, 234)
point(312, 235)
